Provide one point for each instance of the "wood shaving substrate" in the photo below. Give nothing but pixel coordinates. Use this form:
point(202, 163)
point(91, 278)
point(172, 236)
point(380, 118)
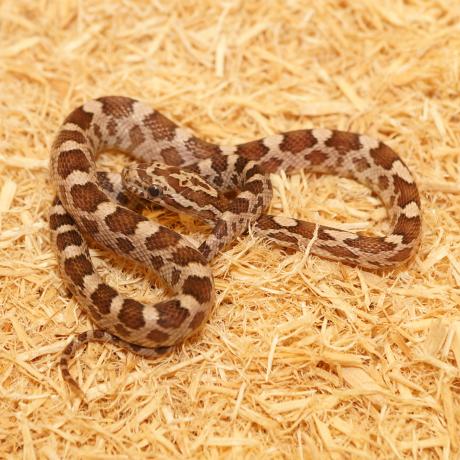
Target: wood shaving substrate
point(301, 357)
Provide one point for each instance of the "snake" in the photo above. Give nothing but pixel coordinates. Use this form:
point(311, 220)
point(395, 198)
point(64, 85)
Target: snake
point(227, 186)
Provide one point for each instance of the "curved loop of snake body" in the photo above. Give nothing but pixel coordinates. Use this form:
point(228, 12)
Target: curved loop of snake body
point(91, 202)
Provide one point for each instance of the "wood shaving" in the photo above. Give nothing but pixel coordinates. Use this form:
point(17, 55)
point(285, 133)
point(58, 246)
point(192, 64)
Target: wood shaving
point(301, 357)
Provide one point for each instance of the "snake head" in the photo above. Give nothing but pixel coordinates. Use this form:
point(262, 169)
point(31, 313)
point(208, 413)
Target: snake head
point(146, 181)
point(177, 189)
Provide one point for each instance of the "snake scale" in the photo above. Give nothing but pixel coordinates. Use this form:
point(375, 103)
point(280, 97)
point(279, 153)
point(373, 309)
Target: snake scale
point(191, 175)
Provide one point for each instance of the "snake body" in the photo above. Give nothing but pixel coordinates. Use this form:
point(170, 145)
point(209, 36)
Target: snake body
point(92, 203)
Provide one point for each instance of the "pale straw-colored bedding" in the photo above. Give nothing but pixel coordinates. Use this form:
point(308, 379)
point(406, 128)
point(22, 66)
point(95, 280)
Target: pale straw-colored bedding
point(302, 357)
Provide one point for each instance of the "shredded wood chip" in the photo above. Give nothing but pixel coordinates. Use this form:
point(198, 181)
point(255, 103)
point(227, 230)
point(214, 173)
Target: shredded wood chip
point(301, 357)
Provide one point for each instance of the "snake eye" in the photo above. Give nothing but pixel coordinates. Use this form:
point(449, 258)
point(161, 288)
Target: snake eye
point(153, 191)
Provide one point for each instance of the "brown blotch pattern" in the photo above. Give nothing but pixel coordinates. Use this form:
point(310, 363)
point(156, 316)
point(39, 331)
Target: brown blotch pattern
point(124, 221)
point(267, 223)
point(102, 298)
point(161, 128)
point(200, 197)
point(123, 199)
point(158, 336)
point(198, 287)
point(72, 237)
point(343, 142)
point(72, 160)
point(383, 183)
point(125, 245)
point(117, 106)
point(171, 314)
point(77, 268)
point(131, 314)
point(185, 255)
point(162, 239)
point(297, 141)
point(408, 228)
point(280, 236)
point(257, 205)
point(58, 220)
point(339, 161)
point(323, 235)
point(361, 164)
point(408, 192)
point(316, 157)
point(383, 156)
point(83, 337)
point(69, 135)
point(112, 127)
point(254, 150)
point(305, 229)
point(157, 262)
point(99, 335)
point(240, 164)
point(175, 276)
point(239, 205)
point(80, 117)
point(255, 186)
point(201, 149)
point(97, 132)
point(271, 165)
point(88, 196)
point(220, 163)
point(252, 171)
point(171, 156)
point(136, 136)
